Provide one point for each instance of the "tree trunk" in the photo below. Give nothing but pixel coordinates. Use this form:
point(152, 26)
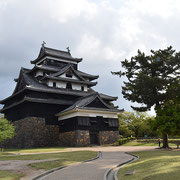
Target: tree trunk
point(165, 141)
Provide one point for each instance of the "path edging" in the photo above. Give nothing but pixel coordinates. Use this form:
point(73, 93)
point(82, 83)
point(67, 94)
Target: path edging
point(62, 167)
point(132, 160)
point(119, 166)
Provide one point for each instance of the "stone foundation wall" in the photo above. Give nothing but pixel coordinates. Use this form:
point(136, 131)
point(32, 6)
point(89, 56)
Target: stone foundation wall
point(67, 138)
point(83, 138)
point(75, 138)
point(33, 132)
point(108, 137)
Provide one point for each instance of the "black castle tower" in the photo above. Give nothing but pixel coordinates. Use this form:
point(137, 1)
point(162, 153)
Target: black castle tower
point(54, 104)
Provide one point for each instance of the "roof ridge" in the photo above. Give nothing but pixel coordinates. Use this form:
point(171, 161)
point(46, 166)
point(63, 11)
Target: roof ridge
point(57, 50)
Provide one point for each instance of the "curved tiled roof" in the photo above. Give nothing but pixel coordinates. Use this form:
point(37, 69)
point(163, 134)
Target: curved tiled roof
point(83, 102)
point(55, 53)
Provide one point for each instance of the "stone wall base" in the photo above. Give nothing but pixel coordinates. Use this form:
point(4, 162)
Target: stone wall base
point(108, 137)
point(75, 138)
point(33, 132)
point(81, 138)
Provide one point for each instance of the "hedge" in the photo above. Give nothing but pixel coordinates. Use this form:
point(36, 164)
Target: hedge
point(125, 140)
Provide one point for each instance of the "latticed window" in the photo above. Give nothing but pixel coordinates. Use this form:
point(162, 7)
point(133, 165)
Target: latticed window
point(113, 123)
point(83, 121)
point(69, 74)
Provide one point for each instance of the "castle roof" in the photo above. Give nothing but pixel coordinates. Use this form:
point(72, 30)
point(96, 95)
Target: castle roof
point(27, 82)
point(46, 51)
point(82, 103)
point(61, 70)
point(37, 84)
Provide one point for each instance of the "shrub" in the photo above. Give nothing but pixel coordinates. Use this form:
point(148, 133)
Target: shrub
point(125, 140)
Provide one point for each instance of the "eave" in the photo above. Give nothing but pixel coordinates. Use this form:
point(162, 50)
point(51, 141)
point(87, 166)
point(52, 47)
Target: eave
point(91, 112)
point(77, 60)
point(86, 75)
point(13, 95)
point(39, 100)
point(69, 80)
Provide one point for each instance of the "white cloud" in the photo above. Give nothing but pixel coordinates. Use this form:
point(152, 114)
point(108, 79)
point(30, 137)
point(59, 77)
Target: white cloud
point(103, 32)
point(89, 44)
point(4, 3)
point(64, 10)
point(162, 8)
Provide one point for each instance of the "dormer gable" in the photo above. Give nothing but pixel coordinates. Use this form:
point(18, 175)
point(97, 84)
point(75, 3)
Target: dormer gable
point(68, 72)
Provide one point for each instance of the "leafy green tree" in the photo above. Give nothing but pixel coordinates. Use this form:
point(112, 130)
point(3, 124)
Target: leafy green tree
point(135, 124)
point(123, 126)
point(149, 78)
point(7, 130)
point(168, 119)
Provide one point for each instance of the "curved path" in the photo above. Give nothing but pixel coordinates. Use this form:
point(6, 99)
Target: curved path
point(95, 170)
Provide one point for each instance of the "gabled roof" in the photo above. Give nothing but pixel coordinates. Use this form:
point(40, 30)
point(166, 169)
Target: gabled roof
point(86, 75)
point(45, 51)
point(60, 70)
point(83, 103)
point(111, 98)
point(67, 68)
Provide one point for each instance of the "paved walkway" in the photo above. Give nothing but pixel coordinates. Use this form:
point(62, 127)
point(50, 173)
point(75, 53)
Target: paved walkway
point(93, 170)
point(90, 170)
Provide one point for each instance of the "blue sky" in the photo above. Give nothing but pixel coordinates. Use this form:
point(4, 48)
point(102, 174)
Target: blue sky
point(102, 32)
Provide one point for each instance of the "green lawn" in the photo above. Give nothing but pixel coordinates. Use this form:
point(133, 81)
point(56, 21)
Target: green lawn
point(32, 150)
point(62, 159)
point(135, 143)
point(65, 159)
point(153, 165)
point(61, 155)
point(6, 175)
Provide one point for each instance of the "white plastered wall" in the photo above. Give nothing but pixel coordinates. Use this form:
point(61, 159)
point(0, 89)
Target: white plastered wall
point(88, 114)
point(39, 73)
point(61, 84)
point(76, 86)
point(58, 84)
point(73, 76)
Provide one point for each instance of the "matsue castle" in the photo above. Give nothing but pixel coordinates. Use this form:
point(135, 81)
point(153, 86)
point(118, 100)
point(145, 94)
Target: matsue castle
point(54, 104)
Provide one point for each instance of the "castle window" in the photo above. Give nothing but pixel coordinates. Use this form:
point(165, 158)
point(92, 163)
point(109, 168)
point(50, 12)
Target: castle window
point(54, 84)
point(69, 85)
point(82, 88)
point(69, 75)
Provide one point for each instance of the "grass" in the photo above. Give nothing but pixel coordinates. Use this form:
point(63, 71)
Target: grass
point(61, 159)
point(32, 150)
point(7, 175)
point(48, 156)
point(153, 165)
point(65, 159)
point(135, 143)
